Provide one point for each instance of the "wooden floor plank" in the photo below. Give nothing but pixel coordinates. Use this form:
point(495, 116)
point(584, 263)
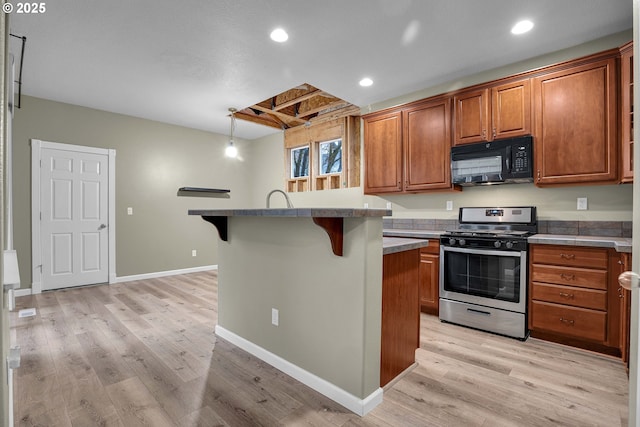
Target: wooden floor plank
point(144, 353)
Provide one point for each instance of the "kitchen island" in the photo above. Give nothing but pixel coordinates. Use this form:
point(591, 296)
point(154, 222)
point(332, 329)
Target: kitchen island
point(302, 290)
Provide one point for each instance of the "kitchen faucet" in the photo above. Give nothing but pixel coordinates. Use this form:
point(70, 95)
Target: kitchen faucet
point(289, 205)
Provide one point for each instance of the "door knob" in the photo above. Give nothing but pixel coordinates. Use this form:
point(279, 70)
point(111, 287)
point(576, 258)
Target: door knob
point(102, 227)
point(628, 280)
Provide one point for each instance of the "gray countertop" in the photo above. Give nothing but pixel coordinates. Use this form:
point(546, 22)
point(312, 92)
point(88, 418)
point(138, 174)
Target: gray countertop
point(620, 244)
point(417, 234)
point(391, 245)
point(295, 212)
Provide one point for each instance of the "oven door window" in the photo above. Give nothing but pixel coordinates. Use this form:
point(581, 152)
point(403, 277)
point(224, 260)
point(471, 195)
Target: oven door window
point(489, 276)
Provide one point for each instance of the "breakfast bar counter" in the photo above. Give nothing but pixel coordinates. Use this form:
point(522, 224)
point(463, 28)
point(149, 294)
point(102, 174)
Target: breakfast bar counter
point(302, 290)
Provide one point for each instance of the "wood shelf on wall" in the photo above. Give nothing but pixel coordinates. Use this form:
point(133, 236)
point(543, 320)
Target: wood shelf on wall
point(203, 190)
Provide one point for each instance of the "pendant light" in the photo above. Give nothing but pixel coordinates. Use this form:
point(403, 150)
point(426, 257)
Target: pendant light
point(231, 150)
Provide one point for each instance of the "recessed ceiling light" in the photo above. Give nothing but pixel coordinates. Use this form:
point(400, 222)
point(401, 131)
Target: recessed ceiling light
point(522, 27)
point(279, 35)
point(366, 82)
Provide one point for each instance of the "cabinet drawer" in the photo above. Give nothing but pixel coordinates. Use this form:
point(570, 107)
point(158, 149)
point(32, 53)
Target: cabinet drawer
point(571, 321)
point(583, 277)
point(570, 256)
point(578, 297)
point(433, 248)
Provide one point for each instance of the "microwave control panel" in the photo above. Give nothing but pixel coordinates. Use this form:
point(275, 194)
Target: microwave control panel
point(521, 159)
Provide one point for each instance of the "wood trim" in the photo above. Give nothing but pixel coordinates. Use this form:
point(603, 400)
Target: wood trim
point(334, 228)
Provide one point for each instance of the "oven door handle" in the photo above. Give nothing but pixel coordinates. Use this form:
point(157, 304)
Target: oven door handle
point(481, 251)
point(479, 312)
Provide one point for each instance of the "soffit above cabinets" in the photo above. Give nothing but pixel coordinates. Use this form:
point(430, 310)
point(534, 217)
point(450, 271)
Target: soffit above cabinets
point(303, 104)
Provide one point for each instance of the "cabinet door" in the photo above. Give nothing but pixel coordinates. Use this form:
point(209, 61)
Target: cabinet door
point(511, 110)
point(471, 116)
point(427, 144)
point(575, 125)
point(429, 282)
point(383, 153)
point(626, 80)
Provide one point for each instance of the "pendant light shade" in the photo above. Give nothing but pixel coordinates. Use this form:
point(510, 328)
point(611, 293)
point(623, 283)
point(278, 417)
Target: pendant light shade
point(231, 150)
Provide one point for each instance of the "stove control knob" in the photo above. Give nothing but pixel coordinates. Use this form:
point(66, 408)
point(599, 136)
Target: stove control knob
point(497, 244)
point(509, 245)
point(462, 242)
point(452, 241)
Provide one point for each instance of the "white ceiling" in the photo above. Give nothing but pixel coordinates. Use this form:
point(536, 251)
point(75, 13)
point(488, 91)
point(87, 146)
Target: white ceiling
point(187, 62)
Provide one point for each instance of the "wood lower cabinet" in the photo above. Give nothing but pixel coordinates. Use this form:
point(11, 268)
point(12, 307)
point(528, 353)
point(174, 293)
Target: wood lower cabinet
point(576, 124)
point(623, 263)
point(495, 112)
point(400, 335)
point(408, 149)
point(573, 298)
point(430, 277)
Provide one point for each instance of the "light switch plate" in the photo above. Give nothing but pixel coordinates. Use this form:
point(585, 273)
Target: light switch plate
point(275, 315)
point(449, 205)
point(582, 204)
point(129, 211)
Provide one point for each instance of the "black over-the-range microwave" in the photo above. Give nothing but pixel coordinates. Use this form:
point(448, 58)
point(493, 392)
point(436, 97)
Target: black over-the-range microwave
point(497, 162)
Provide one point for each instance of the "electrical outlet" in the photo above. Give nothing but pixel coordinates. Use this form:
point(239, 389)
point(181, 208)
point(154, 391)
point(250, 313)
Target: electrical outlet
point(366, 205)
point(449, 205)
point(194, 252)
point(389, 205)
point(275, 317)
point(582, 204)
point(129, 211)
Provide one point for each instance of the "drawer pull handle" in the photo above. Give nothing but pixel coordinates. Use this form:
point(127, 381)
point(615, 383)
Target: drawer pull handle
point(566, 295)
point(568, 276)
point(480, 312)
point(567, 256)
point(566, 321)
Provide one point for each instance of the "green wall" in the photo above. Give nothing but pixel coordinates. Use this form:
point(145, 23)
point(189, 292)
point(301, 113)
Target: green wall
point(153, 160)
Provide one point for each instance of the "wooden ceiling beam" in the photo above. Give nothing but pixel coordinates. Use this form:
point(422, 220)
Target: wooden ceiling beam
point(319, 108)
point(293, 121)
point(271, 122)
point(304, 97)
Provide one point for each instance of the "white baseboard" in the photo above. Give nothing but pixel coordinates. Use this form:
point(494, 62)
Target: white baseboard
point(122, 279)
point(333, 392)
point(22, 292)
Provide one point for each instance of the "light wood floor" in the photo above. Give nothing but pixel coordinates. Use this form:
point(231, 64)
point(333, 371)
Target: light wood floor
point(144, 354)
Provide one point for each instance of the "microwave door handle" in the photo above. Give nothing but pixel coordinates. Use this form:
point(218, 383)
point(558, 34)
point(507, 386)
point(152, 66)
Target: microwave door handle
point(508, 158)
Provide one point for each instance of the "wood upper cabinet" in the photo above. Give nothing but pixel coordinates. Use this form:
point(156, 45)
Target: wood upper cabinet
point(575, 124)
point(427, 141)
point(408, 149)
point(626, 110)
point(496, 112)
point(383, 153)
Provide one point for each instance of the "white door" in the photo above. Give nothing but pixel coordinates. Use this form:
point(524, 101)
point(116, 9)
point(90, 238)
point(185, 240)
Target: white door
point(73, 217)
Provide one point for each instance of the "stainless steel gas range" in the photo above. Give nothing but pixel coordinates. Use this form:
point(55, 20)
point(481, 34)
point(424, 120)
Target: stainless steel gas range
point(483, 269)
